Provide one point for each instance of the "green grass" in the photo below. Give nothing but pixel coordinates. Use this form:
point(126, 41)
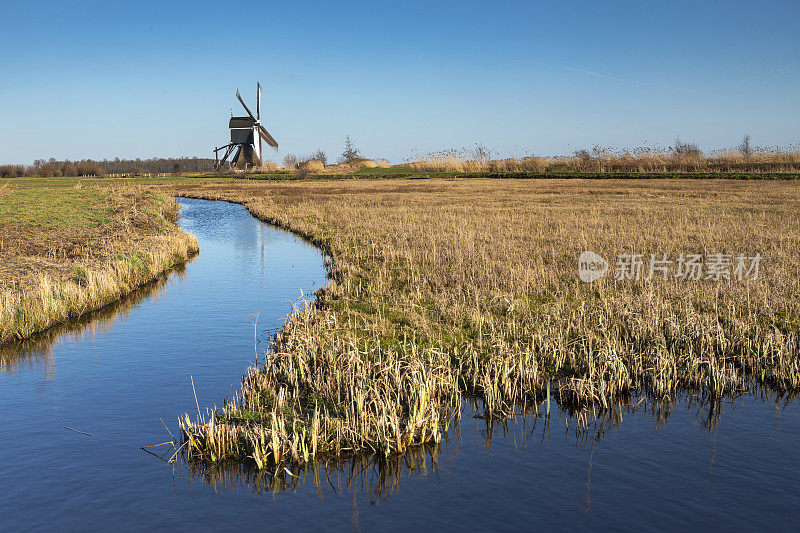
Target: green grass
point(56, 207)
point(70, 245)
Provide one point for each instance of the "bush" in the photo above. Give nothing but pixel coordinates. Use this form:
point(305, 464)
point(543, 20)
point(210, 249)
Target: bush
point(290, 161)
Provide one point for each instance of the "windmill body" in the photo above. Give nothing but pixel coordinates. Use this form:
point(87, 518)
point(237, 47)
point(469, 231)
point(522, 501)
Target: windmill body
point(246, 136)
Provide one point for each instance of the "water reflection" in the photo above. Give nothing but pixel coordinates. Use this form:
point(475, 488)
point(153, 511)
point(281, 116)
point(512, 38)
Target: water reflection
point(381, 477)
point(377, 475)
point(36, 353)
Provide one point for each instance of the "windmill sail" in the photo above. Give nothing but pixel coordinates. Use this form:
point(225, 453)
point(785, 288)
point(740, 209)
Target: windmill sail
point(267, 137)
point(239, 96)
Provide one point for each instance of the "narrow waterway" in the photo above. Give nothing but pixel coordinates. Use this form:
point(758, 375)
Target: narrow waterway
point(117, 375)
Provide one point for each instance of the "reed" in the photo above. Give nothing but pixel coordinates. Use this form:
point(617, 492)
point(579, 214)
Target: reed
point(442, 288)
point(605, 160)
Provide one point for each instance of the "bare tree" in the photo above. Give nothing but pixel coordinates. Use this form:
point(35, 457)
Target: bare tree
point(320, 156)
point(744, 147)
point(290, 161)
point(682, 149)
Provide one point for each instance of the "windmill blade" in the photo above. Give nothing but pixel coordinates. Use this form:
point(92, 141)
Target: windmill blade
point(258, 103)
point(267, 137)
point(239, 96)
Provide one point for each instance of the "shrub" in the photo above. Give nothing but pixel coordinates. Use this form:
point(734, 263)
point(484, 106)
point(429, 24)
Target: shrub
point(290, 161)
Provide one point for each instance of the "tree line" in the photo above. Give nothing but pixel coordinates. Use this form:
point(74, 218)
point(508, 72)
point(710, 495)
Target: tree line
point(88, 167)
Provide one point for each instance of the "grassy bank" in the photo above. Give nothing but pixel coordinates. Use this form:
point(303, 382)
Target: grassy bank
point(443, 288)
point(68, 247)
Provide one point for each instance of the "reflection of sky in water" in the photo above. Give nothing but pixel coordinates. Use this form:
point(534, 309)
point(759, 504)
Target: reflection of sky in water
point(118, 380)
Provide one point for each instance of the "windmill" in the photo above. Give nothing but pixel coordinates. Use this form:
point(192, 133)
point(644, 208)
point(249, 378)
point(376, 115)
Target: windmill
point(246, 135)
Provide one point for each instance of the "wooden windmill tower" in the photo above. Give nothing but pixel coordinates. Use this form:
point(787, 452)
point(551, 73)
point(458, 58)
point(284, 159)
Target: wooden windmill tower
point(246, 135)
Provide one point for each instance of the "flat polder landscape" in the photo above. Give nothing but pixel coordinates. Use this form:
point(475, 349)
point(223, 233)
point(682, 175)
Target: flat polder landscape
point(430, 266)
point(440, 304)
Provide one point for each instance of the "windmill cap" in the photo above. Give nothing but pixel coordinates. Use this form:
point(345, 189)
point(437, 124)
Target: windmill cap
point(241, 122)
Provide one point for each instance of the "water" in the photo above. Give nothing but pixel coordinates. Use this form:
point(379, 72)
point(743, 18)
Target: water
point(116, 375)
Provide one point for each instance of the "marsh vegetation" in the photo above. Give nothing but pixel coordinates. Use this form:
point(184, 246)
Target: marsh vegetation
point(443, 288)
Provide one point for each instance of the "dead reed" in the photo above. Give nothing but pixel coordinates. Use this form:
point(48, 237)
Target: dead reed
point(470, 286)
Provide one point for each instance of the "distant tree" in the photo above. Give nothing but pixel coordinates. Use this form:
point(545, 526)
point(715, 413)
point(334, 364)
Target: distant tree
point(68, 169)
point(88, 168)
point(744, 147)
point(682, 149)
point(320, 156)
point(584, 155)
point(12, 171)
point(351, 153)
point(53, 167)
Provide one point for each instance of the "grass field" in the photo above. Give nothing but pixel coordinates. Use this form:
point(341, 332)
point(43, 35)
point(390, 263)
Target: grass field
point(470, 286)
point(69, 246)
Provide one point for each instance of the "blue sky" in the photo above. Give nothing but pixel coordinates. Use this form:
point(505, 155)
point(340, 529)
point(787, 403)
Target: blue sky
point(139, 79)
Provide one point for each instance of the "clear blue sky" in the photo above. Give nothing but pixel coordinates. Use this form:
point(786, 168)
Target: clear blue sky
point(139, 79)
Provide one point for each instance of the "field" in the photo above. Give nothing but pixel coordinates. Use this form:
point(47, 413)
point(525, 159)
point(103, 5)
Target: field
point(68, 247)
point(445, 288)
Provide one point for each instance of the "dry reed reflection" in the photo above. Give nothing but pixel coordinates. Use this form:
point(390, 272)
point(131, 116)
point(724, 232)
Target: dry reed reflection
point(36, 352)
point(381, 476)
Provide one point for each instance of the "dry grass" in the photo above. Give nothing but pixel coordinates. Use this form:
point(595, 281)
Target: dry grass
point(353, 166)
point(606, 160)
point(69, 249)
point(470, 286)
point(269, 166)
